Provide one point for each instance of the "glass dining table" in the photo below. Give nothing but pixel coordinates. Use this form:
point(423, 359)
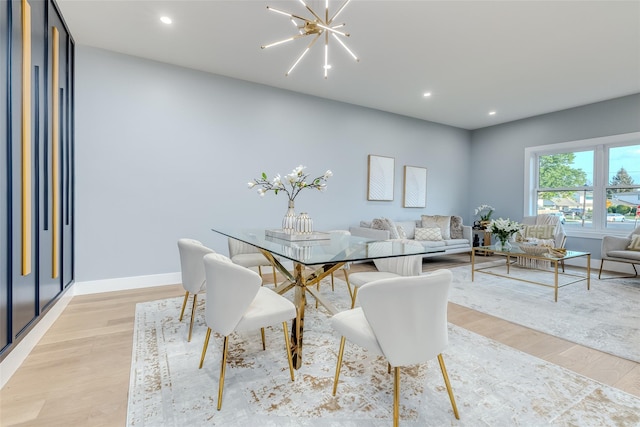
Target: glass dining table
point(314, 256)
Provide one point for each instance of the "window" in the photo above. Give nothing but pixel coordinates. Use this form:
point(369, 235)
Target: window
point(592, 185)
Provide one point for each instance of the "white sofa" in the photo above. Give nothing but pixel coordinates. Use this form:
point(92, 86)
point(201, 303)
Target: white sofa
point(452, 245)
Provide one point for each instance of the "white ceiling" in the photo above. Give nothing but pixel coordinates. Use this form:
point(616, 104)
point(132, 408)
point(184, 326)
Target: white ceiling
point(519, 58)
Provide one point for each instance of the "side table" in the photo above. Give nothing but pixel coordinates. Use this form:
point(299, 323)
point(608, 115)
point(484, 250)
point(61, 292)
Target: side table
point(484, 239)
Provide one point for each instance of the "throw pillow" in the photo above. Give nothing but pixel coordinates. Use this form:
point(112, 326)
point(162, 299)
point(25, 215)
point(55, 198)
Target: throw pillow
point(428, 233)
point(635, 243)
point(386, 224)
point(440, 221)
point(401, 233)
point(545, 231)
point(456, 227)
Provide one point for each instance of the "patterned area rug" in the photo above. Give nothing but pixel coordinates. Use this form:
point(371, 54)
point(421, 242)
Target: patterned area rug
point(605, 318)
point(494, 385)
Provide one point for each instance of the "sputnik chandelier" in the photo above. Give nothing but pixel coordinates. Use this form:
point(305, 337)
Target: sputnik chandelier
point(315, 27)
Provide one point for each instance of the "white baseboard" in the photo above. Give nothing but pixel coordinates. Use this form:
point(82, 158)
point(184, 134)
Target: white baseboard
point(125, 283)
point(19, 353)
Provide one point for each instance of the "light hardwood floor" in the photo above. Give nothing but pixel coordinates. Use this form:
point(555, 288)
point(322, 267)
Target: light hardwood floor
point(78, 374)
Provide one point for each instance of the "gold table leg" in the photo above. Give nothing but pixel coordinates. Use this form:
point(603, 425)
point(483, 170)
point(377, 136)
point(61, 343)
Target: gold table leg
point(473, 262)
point(588, 271)
point(555, 283)
point(297, 329)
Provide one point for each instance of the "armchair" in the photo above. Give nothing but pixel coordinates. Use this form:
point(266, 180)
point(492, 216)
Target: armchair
point(616, 249)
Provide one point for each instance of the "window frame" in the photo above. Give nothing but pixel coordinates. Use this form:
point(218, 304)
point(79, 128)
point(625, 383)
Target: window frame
point(600, 147)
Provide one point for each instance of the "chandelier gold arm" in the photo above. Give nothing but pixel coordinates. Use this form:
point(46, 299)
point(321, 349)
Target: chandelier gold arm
point(290, 15)
point(303, 53)
point(346, 48)
point(326, 54)
point(332, 30)
point(297, 36)
point(311, 10)
point(338, 12)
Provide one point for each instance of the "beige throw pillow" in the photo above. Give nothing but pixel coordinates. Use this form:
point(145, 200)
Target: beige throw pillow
point(456, 227)
point(635, 243)
point(401, 233)
point(539, 231)
point(441, 221)
point(386, 224)
point(430, 233)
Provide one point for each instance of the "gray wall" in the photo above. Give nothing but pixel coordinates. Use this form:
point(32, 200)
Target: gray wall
point(164, 152)
point(497, 152)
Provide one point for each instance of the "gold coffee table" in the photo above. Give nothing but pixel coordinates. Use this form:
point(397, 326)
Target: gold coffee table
point(515, 252)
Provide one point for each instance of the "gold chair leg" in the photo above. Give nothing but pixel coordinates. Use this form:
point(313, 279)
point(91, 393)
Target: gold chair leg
point(225, 347)
point(260, 273)
point(340, 353)
point(184, 304)
point(275, 281)
point(448, 384)
point(396, 396)
point(193, 315)
point(332, 287)
point(346, 278)
point(264, 346)
point(388, 368)
point(600, 272)
point(353, 298)
point(286, 343)
point(204, 349)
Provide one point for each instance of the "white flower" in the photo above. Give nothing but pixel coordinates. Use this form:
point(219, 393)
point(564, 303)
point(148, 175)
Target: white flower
point(291, 183)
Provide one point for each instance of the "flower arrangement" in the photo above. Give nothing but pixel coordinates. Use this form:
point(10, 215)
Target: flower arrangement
point(503, 229)
point(484, 216)
point(292, 184)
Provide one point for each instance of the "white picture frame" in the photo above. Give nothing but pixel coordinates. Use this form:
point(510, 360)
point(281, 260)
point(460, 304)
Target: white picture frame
point(381, 178)
point(415, 187)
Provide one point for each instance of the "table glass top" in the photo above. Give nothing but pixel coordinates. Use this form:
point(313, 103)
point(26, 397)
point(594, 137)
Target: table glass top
point(328, 247)
point(516, 250)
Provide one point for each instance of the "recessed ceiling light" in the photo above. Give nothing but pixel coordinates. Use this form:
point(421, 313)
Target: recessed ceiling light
point(492, 113)
point(427, 94)
point(166, 20)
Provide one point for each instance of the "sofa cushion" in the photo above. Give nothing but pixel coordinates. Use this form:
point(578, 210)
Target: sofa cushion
point(456, 227)
point(401, 232)
point(386, 224)
point(455, 242)
point(428, 233)
point(440, 221)
point(635, 243)
point(433, 243)
point(626, 255)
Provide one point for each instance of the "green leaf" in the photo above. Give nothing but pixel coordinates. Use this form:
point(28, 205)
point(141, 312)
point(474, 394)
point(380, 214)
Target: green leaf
point(264, 176)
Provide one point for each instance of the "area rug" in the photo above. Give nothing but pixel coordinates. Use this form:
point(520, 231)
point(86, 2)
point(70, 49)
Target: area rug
point(605, 318)
point(494, 385)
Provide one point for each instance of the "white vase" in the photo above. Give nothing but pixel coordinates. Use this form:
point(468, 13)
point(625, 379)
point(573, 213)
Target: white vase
point(289, 220)
point(304, 223)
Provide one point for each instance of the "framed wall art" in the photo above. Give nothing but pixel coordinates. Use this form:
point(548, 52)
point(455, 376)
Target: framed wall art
point(415, 187)
point(381, 174)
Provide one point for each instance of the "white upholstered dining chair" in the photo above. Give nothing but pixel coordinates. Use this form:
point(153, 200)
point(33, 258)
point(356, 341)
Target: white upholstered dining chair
point(192, 253)
point(249, 256)
point(403, 319)
point(387, 268)
point(236, 301)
